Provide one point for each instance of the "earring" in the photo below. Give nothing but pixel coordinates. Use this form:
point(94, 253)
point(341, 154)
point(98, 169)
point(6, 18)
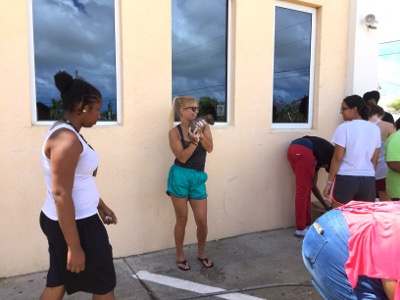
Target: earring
point(84, 110)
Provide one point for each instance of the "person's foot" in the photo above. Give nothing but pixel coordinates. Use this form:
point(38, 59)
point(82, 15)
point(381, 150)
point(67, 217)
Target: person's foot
point(300, 233)
point(206, 262)
point(183, 265)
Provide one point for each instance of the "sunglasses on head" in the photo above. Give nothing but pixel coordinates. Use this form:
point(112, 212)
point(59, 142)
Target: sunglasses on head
point(193, 108)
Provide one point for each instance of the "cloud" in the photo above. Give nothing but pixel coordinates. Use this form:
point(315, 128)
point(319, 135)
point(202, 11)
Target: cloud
point(74, 36)
point(291, 54)
point(199, 48)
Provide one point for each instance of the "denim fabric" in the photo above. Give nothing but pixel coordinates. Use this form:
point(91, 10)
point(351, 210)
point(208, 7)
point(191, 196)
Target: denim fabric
point(325, 252)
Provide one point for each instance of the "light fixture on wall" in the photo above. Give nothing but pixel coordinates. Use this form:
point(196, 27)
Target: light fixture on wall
point(371, 21)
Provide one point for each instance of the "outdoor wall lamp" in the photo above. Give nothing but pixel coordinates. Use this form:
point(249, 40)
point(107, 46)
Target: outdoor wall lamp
point(371, 21)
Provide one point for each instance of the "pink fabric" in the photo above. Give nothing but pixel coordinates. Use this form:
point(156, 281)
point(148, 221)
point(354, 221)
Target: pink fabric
point(374, 244)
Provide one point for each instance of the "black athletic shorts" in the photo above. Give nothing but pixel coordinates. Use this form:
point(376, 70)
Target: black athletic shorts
point(99, 274)
point(348, 188)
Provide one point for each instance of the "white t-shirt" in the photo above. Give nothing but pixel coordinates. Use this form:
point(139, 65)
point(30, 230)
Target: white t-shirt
point(84, 192)
point(360, 139)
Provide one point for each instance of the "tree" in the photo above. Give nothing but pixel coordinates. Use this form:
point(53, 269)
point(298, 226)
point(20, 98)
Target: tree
point(394, 106)
point(291, 113)
point(108, 114)
point(56, 110)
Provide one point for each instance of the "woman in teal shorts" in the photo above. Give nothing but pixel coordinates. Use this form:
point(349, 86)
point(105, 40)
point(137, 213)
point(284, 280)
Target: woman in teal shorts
point(186, 178)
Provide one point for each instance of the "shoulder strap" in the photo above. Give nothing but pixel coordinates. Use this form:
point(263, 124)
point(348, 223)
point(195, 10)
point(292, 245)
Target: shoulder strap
point(181, 134)
point(180, 131)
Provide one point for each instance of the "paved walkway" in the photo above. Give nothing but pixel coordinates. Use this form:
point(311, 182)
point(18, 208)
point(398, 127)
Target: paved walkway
point(261, 265)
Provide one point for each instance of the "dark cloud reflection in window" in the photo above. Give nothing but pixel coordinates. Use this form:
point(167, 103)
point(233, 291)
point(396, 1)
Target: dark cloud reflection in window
point(199, 52)
point(292, 65)
point(79, 37)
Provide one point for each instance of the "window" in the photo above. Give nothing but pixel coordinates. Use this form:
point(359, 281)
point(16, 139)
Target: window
point(199, 53)
point(80, 37)
point(293, 66)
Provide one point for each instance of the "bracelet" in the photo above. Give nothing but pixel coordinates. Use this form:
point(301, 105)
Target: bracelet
point(194, 143)
point(329, 181)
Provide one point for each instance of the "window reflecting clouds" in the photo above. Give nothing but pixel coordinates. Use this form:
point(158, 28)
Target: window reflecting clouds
point(292, 66)
point(79, 37)
point(199, 52)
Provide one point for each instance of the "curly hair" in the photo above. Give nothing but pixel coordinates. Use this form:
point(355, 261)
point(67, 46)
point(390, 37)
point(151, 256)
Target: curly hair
point(75, 90)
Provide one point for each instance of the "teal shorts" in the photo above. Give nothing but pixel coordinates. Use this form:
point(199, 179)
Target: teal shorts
point(184, 182)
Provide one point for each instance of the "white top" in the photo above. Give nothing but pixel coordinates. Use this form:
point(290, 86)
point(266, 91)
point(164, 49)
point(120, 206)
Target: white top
point(84, 192)
point(360, 139)
point(381, 167)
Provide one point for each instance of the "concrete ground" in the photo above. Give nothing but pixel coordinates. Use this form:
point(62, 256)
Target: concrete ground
point(260, 265)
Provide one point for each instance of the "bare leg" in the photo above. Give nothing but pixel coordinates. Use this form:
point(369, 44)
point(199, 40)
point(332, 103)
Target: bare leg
point(181, 215)
point(53, 293)
point(199, 208)
point(108, 296)
point(383, 196)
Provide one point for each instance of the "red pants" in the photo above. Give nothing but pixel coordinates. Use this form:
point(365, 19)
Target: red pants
point(303, 164)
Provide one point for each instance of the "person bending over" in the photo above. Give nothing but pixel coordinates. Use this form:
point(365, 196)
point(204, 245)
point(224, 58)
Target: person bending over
point(351, 252)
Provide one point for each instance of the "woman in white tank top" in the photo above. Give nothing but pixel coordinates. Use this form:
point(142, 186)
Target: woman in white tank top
point(73, 215)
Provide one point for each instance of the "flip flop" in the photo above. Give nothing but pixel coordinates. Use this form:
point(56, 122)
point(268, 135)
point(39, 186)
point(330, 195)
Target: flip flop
point(205, 262)
point(183, 262)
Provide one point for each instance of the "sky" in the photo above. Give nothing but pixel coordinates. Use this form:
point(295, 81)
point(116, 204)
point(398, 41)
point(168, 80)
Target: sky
point(79, 35)
point(199, 48)
point(74, 35)
point(291, 55)
point(389, 50)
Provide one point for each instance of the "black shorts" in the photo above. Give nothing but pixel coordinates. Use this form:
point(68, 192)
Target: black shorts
point(99, 275)
point(348, 188)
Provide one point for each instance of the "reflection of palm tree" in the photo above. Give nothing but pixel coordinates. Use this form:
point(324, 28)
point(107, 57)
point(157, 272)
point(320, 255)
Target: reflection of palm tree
point(108, 114)
point(56, 109)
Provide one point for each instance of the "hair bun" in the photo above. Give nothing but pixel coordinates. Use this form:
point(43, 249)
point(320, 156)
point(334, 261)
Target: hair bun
point(63, 81)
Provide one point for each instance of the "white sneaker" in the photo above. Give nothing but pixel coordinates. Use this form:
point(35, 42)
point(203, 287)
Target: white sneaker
point(301, 233)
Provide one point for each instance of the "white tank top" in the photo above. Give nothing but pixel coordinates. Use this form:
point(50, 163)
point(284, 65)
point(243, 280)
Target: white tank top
point(381, 166)
point(84, 192)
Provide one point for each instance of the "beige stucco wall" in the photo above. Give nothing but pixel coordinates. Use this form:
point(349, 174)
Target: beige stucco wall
point(251, 185)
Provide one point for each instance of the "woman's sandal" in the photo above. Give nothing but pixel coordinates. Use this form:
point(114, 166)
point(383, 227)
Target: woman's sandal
point(206, 262)
point(183, 262)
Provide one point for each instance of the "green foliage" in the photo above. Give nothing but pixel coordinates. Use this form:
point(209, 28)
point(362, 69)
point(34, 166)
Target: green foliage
point(394, 106)
point(289, 113)
point(205, 103)
point(56, 110)
point(108, 114)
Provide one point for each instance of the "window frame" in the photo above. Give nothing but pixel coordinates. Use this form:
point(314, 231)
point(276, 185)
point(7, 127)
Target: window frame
point(313, 12)
point(33, 99)
point(227, 71)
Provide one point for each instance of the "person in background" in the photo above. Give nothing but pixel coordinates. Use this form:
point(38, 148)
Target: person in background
point(73, 213)
point(357, 142)
point(371, 98)
point(186, 178)
point(397, 124)
point(386, 128)
point(306, 156)
point(352, 252)
point(392, 158)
